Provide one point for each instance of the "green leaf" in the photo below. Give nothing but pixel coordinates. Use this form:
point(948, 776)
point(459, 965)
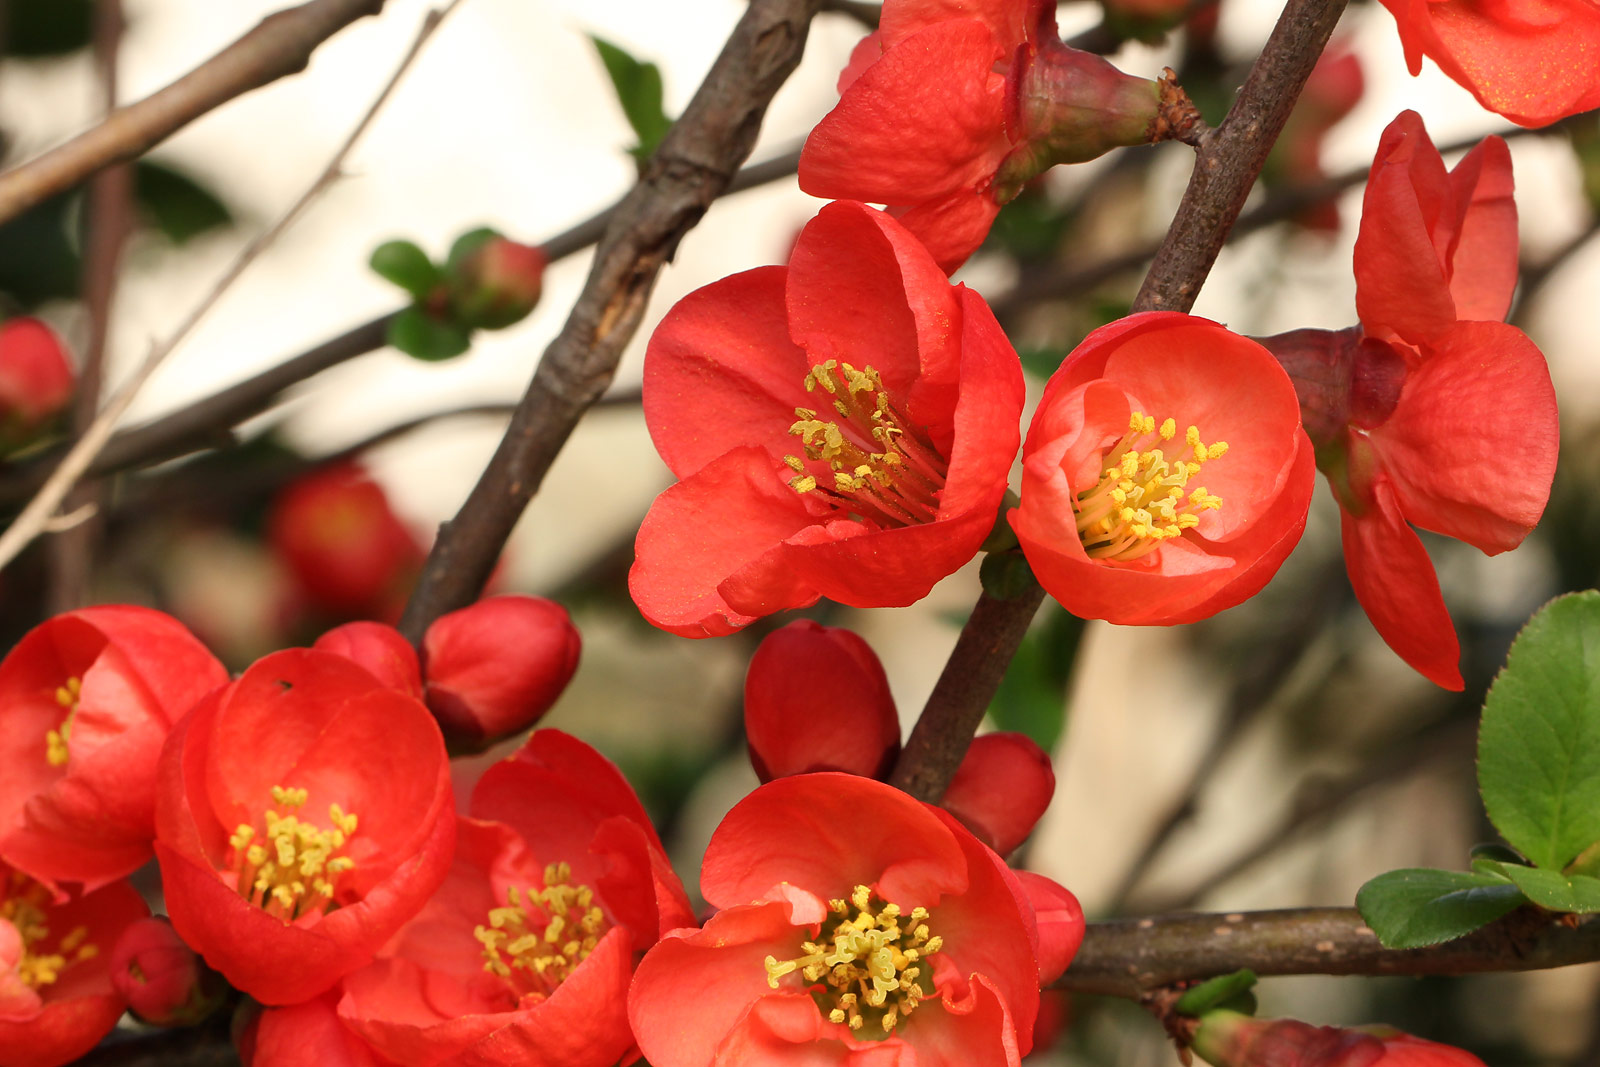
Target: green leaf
point(1553, 890)
point(1215, 992)
point(1005, 575)
point(1539, 742)
point(1416, 907)
point(421, 336)
point(176, 204)
point(467, 244)
point(407, 266)
point(638, 86)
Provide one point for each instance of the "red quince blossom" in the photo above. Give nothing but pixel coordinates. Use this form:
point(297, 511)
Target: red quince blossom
point(524, 955)
point(56, 995)
point(1431, 412)
point(1165, 476)
point(816, 699)
point(841, 427)
point(36, 381)
point(86, 702)
point(1060, 920)
point(161, 978)
point(1229, 1039)
point(302, 1034)
point(948, 109)
point(1331, 92)
point(857, 926)
point(1533, 62)
point(495, 667)
point(304, 814)
point(381, 649)
point(1001, 788)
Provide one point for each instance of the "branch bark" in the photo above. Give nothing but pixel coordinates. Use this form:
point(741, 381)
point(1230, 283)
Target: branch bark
point(1227, 161)
point(694, 165)
point(279, 46)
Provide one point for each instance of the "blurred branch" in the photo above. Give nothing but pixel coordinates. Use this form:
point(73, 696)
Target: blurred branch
point(1536, 276)
point(694, 165)
point(37, 513)
point(1226, 163)
point(279, 46)
point(1132, 957)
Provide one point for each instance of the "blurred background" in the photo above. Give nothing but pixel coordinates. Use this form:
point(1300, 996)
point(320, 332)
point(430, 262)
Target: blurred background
point(1277, 755)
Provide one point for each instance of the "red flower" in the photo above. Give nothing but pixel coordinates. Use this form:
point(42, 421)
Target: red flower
point(948, 109)
point(816, 699)
point(1001, 788)
point(56, 996)
point(86, 701)
point(1228, 1039)
point(1419, 416)
point(379, 648)
point(1534, 63)
point(1117, 530)
point(306, 1033)
point(525, 953)
point(857, 926)
point(36, 381)
point(304, 814)
point(161, 978)
point(348, 552)
point(495, 667)
point(870, 503)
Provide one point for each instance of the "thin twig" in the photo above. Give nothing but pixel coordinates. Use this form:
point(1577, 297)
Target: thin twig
point(279, 46)
point(38, 511)
point(1226, 164)
point(694, 165)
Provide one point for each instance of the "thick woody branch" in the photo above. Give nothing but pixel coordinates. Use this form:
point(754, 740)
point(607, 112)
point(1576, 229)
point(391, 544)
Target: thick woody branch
point(1132, 957)
point(694, 165)
point(279, 46)
point(1226, 164)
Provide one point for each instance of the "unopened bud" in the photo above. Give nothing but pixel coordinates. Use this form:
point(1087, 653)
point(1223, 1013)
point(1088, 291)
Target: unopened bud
point(494, 281)
point(494, 668)
point(161, 978)
point(1002, 786)
point(379, 648)
point(1229, 1039)
point(36, 381)
point(816, 699)
point(1341, 377)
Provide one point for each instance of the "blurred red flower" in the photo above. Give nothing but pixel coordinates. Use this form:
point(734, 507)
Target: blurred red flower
point(36, 381)
point(1004, 783)
point(1113, 526)
point(304, 814)
point(841, 427)
point(86, 701)
point(1229, 1039)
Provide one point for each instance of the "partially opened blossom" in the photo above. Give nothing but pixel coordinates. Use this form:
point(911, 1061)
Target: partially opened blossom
point(816, 699)
point(840, 427)
point(36, 381)
point(1001, 788)
point(524, 955)
point(1229, 1039)
point(495, 667)
point(948, 109)
point(304, 814)
point(381, 649)
point(163, 980)
point(1431, 412)
point(86, 702)
point(56, 996)
point(857, 926)
point(1532, 62)
point(1165, 476)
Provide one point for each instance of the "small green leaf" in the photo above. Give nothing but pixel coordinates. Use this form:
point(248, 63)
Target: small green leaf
point(1416, 907)
point(1005, 575)
point(408, 266)
point(1539, 742)
point(467, 244)
point(1554, 891)
point(176, 204)
point(1215, 992)
point(421, 336)
point(638, 86)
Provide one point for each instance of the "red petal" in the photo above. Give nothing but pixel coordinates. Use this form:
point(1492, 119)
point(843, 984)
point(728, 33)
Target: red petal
point(1007, 19)
point(952, 226)
point(381, 650)
point(1001, 788)
point(1394, 580)
point(1483, 263)
point(976, 1032)
point(1061, 925)
point(308, 1033)
point(495, 667)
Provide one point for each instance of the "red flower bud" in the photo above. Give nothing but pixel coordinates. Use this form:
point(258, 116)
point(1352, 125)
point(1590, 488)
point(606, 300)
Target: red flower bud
point(36, 381)
point(816, 699)
point(495, 667)
point(379, 648)
point(1003, 785)
point(1059, 917)
point(497, 283)
point(161, 978)
point(1228, 1039)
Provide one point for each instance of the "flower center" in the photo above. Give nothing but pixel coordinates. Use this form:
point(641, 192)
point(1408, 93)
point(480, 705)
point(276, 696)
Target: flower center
point(24, 908)
point(56, 741)
point(864, 967)
point(1140, 500)
point(541, 937)
point(294, 869)
point(897, 486)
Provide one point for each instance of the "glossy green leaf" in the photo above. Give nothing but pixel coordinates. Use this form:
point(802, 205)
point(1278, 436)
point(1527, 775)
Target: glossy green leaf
point(421, 336)
point(1419, 906)
point(407, 266)
point(1553, 890)
point(638, 86)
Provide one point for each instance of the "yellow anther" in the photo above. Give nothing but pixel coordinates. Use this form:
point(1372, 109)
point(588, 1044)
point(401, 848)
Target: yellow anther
point(57, 742)
point(1169, 429)
point(292, 869)
point(537, 941)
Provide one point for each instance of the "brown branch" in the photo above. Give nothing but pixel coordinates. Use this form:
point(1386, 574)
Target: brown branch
point(1131, 957)
point(1226, 163)
point(694, 165)
point(279, 46)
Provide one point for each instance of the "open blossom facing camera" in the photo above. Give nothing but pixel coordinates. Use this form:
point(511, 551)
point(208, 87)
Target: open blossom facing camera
point(857, 926)
point(1165, 476)
point(1431, 412)
point(841, 427)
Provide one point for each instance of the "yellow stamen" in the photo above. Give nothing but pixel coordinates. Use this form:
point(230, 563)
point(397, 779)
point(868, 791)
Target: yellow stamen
point(56, 741)
point(24, 904)
point(294, 869)
point(535, 942)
